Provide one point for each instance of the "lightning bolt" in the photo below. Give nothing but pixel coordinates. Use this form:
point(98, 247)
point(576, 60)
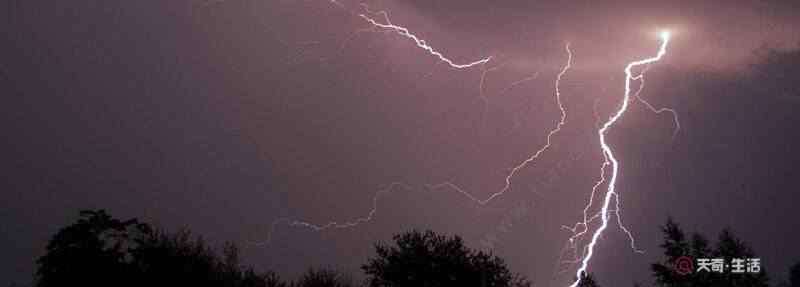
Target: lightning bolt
point(419, 42)
point(572, 244)
point(610, 159)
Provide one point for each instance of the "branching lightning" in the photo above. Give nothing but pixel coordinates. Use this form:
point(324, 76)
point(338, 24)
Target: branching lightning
point(610, 159)
point(552, 132)
point(583, 225)
point(449, 185)
point(657, 110)
point(578, 230)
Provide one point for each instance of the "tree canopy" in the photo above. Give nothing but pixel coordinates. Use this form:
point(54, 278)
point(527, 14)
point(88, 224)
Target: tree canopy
point(99, 250)
point(427, 259)
point(728, 247)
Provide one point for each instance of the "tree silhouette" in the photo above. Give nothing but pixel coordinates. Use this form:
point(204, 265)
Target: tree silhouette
point(270, 279)
point(179, 259)
point(95, 251)
point(794, 275)
point(587, 281)
point(426, 259)
point(323, 278)
point(99, 250)
point(727, 247)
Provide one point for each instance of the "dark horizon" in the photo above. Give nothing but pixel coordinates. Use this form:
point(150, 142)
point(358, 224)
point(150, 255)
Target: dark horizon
point(225, 116)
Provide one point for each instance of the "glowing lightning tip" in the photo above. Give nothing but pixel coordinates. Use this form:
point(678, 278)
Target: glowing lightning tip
point(665, 34)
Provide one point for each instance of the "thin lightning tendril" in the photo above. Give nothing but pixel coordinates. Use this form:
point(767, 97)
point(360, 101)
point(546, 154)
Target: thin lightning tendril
point(507, 89)
point(609, 158)
point(388, 26)
point(420, 43)
point(552, 132)
point(451, 186)
point(334, 224)
point(658, 110)
point(531, 158)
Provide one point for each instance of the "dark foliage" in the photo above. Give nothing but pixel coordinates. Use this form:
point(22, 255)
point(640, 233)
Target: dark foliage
point(323, 278)
point(99, 250)
point(422, 259)
point(794, 275)
point(587, 281)
point(94, 251)
point(728, 247)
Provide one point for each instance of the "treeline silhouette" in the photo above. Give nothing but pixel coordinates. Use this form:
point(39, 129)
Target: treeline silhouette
point(99, 250)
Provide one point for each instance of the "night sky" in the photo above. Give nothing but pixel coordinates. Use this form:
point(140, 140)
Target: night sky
point(224, 116)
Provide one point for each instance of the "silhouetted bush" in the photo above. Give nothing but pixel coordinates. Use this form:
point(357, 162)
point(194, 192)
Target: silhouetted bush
point(95, 251)
point(428, 259)
point(587, 281)
point(99, 250)
point(794, 275)
point(323, 278)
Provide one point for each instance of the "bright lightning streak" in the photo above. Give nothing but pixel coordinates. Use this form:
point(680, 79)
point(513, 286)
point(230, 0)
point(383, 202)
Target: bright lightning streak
point(609, 157)
point(421, 43)
point(389, 26)
point(665, 34)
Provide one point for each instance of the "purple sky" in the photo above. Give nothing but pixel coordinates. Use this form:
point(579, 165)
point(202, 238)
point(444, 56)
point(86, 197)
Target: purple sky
point(225, 116)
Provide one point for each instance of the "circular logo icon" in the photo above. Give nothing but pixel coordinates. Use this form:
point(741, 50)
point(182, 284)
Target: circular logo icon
point(684, 265)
